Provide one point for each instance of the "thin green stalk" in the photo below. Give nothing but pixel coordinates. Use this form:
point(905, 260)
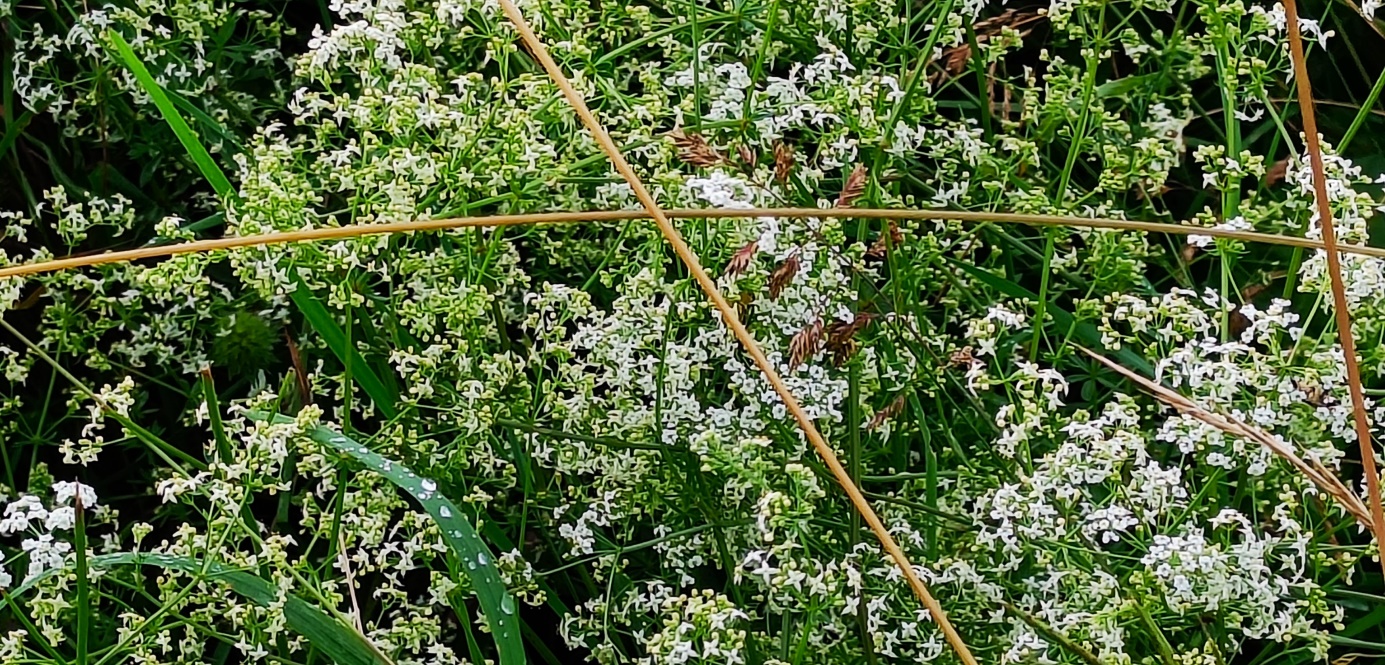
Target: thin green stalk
point(1051, 235)
point(158, 446)
point(1160, 642)
point(853, 433)
point(1053, 634)
point(1363, 113)
point(79, 543)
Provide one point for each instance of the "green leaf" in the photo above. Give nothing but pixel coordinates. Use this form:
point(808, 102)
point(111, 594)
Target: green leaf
point(1124, 86)
point(186, 136)
point(1083, 330)
point(339, 642)
point(475, 556)
point(326, 325)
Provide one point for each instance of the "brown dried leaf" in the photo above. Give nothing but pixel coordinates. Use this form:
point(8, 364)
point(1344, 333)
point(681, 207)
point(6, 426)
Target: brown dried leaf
point(853, 188)
point(783, 275)
point(783, 162)
point(740, 261)
point(694, 150)
point(894, 408)
point(805, 344)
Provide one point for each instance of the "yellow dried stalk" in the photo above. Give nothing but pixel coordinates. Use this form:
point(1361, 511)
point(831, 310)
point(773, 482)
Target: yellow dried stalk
point(447, 223)
point(1334, 270)
point(729, 318)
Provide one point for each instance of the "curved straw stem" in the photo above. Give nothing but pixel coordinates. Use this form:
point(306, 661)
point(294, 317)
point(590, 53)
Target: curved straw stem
point(728, 317)
point(1334, 270)
point(446, 223)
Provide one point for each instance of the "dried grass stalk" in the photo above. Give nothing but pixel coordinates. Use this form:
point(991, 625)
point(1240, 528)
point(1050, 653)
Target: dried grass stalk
point(1334, 269)
point(729, 318)
point(1324, 478)
point(492, 221)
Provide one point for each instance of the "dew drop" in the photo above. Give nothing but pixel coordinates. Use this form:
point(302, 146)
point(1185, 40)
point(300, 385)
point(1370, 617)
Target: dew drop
point(445, 511)
point(428, 484)
point(507, 605)
point(482, 559)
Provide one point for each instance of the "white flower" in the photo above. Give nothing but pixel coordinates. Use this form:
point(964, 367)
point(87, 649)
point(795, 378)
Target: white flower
point(65, 491)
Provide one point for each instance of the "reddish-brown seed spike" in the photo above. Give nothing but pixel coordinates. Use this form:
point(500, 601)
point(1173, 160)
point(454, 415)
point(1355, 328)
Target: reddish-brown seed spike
point(962, 357)
point(1276, 172)
point(853, 188)
point(783, 275)
point(1253, 291)
point(748, 157)
point(805, 344)
point(740, 261)
point(890, 411)
point(841, 336)
point(891, 238)
point(783, 162)
point(955, 59)
point(693, 149)
point(300, 373)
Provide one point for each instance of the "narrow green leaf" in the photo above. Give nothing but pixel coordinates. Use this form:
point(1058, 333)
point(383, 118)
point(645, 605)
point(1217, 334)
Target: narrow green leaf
point(339, 642)
point(207, 122)
point(186, 136)
point(79, 543)
point(325, 324)
point(475, 556)
point(13, 130)
point(1083, 330)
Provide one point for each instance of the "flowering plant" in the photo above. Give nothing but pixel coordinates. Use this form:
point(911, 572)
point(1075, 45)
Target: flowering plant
point(540, 442)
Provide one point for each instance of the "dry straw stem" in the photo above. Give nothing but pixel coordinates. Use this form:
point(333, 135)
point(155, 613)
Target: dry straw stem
point(728, 317)
point(1334, 270)
point(1321, 476)
point(447, 223)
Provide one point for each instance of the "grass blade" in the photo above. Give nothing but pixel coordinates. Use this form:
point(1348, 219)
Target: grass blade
point(475, 556)
point(79, 543)
point(200, 157)
point(325, 324)
point(340, 643)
